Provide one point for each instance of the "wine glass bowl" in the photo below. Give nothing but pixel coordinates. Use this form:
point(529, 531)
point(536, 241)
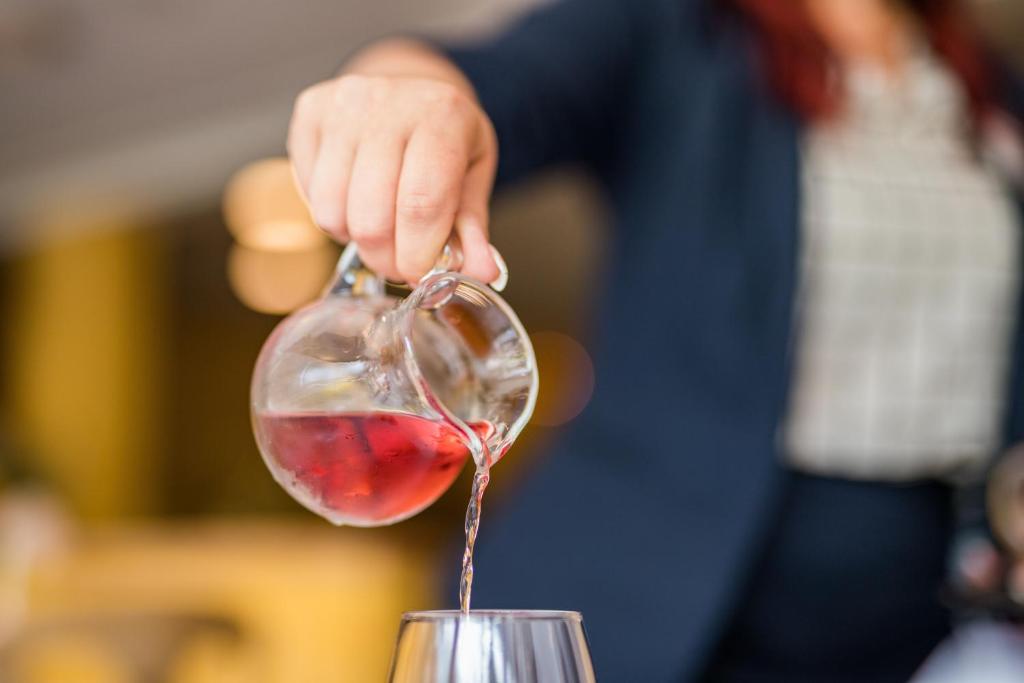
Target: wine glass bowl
point(492, 646)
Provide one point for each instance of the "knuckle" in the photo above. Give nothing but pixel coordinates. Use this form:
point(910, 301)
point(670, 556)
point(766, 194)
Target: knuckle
point(350, 83)
point(419, 207)
point(380, 128)
point(447, 97)
point(451, 106)
point(355, 89)
point(446, 147)
point(369, 229)
point(306, 101)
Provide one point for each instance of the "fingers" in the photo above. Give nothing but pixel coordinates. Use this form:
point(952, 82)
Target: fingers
point(371, 199)
point(304, 134)
point(393, 164)
point(328, 186)
point(428, 196)
point(447, 177)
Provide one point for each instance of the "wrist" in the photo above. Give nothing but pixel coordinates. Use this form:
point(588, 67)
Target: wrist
point(407, 58)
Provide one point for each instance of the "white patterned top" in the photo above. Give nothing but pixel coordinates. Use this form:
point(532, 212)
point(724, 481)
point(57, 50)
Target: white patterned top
point(909, 283)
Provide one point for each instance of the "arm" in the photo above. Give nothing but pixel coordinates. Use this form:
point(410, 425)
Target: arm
point(553, 84)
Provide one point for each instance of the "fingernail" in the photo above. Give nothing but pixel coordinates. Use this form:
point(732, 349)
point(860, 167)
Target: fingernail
point(499, 283)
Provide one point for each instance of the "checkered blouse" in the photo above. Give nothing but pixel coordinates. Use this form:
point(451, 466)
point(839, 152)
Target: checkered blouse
point(909, 283)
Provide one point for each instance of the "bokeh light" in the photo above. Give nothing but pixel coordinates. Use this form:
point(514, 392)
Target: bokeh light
point(567, 374)
point(278, 282)
point(264, 210)
point(281, 260)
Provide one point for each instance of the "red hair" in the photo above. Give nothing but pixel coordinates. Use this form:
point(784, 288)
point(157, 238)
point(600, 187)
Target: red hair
point(798, 63)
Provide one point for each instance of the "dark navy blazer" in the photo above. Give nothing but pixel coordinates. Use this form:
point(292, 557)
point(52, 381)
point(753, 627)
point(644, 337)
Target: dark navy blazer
point(649, 513)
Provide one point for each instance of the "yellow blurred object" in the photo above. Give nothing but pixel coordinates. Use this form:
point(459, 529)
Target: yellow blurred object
point(215, 658)
point(76, 659)
point(568, 375)
point(281, 260)
point(85, 345)
point(264, 210)
point(306, 602)
point(278, 282)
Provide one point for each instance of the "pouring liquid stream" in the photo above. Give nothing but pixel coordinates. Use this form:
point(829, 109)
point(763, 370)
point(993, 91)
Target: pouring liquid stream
point(480, 480)
point(481, 477)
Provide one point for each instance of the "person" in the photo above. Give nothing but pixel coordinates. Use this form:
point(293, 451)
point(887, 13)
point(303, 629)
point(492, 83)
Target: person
point(809, 335)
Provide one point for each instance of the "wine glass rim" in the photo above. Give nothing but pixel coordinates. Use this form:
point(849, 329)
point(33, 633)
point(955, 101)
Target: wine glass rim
point(492, 614)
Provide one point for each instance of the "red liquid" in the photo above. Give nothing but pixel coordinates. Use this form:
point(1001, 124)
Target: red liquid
point(363, 468)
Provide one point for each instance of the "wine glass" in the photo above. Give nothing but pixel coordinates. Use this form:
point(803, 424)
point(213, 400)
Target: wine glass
point(492, 646)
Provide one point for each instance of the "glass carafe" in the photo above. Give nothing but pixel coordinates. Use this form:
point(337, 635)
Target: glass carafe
point(365, 406)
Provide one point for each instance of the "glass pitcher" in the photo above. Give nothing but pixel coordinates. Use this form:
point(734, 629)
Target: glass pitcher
point(365, 406)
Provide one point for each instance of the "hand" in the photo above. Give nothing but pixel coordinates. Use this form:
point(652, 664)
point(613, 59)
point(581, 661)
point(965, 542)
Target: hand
point(395, 164)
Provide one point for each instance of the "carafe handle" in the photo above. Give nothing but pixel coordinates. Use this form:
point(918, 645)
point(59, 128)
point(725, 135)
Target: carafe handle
point(352, 277)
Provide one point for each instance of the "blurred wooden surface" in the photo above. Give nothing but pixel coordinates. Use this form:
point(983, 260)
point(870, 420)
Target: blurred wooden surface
point(260, 602)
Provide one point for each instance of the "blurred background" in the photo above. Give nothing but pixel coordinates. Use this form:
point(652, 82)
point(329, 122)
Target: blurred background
point(150, 239)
